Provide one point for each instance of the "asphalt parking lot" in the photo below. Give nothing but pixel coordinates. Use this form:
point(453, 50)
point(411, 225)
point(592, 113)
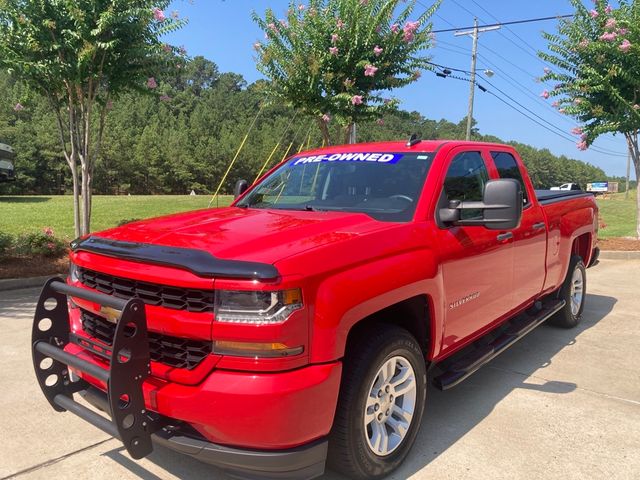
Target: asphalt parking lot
point(560, 404)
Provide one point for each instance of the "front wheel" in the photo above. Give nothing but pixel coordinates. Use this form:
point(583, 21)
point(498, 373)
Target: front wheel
point(573, 292)
point(381, 403)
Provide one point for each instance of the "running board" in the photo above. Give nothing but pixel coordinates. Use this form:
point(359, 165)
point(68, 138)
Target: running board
point(508, 334)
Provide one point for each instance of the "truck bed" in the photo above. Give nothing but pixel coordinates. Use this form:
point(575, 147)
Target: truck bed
point(551, 196)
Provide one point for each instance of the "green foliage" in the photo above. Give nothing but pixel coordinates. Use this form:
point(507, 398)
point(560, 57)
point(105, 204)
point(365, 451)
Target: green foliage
point(598, 76)
point(5, 243)
point(41, 243)
point(334, 58)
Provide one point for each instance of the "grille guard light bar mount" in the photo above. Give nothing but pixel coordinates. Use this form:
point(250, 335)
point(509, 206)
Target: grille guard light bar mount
point(129, 366)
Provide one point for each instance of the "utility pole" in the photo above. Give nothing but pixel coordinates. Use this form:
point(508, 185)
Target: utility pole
point(626, 188)
point(474, 56)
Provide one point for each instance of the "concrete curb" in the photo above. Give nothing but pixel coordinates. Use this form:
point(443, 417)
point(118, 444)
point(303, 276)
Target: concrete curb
point(616, 255)
point(17, 283)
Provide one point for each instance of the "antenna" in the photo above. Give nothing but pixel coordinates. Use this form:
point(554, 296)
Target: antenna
point(413, 140)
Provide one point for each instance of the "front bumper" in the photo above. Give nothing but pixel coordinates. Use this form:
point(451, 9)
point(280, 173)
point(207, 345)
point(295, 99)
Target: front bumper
point(303, 462)
point(254, 425)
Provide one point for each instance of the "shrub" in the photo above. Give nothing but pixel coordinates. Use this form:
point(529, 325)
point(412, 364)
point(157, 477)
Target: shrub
point(43, 244)
point(127, 220)
point(5, 243)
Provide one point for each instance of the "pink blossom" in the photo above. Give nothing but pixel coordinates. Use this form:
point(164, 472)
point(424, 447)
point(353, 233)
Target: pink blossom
point(576, 131)
point(623, 31)
point(51, 246)
point(48, 231)
point(370, 70)
point(562, 110)
point(165, 98)
point(158, 15)
point(18, 107)
point(283, 23)
point(326, 118)
point(611, 24)
point(555, 104)
point(577, 101)
point(175, 15)
point(608, 36)
point(395, 27)
point(334, 38)
point(625, 45)
point(257, 46)
point(380, 121)
point(364, 2)
point(339, 24)
point(583, 137)
point(378, 29)
point(582, 145)
point(608, 10)
point(166, 48)
point(545, 94)
point(272, 26)
point(594, 13)
point(151, 83)
point(333, 50)
point(409, 30)
point(182, 51)
point(387, 101)
point(356, 100)
point(547, 70)
point(377, 50)
point(301, 7)
point(636, 107)
point(584, 43)
point(416, 75)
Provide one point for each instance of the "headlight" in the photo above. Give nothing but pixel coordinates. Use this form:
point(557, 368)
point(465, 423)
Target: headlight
point(257, 307)
point(73, 272)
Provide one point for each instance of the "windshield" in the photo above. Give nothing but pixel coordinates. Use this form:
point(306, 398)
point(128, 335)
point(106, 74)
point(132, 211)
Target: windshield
point(385, 186)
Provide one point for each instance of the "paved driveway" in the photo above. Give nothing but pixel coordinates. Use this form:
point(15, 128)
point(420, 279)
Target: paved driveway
point(558, 405)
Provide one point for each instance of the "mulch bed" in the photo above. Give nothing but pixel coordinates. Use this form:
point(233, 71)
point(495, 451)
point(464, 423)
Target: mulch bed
point(32, 267)
point(619, 244)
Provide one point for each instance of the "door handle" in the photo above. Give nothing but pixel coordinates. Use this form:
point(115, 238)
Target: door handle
point(539, 226)
point(504, 236)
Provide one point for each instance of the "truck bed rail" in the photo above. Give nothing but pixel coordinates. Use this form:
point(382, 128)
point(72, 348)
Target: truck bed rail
point(129, 365)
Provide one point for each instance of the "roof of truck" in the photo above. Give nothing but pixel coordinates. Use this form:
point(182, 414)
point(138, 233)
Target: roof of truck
point(398, 146)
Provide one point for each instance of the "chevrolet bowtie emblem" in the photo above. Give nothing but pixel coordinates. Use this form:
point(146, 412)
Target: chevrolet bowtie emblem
point(111, 314)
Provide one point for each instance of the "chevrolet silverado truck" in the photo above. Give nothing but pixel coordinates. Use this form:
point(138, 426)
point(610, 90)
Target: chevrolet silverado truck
point(296, 327)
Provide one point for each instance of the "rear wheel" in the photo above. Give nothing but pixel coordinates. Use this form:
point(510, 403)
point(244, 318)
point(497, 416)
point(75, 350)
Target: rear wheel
point(381, 403)
point(573, 292)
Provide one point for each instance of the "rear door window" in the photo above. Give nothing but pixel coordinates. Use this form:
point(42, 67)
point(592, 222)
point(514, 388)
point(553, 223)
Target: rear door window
point(508, 168)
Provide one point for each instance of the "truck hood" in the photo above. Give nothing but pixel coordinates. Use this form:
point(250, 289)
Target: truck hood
point(255, 235)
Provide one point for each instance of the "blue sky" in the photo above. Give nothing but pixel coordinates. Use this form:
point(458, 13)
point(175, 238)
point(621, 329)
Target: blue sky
point(223, 32)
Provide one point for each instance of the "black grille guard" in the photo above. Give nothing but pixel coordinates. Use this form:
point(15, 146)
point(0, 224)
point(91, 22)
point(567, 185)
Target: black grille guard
point(129, 366)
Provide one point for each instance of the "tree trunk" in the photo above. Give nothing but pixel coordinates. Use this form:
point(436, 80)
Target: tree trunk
point(76, 200)
point(632, 142)
point(324, 129)
point(347, 132)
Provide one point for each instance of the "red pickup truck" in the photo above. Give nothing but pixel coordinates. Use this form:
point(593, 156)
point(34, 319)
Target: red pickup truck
point(297, 326)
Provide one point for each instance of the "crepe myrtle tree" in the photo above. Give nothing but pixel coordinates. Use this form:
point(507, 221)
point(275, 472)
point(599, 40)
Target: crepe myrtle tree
point(597, 79)
point(334, 59)
point(80, 54)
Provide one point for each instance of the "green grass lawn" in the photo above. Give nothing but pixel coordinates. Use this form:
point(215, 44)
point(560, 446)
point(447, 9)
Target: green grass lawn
point(20, 214)
point(619, 215)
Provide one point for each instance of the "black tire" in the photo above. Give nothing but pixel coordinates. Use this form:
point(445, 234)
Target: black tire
point(569, 317)
point(349, 450)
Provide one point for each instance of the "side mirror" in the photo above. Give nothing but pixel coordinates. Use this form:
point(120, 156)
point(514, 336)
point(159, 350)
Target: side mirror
point(240, 188)
point(501, 206)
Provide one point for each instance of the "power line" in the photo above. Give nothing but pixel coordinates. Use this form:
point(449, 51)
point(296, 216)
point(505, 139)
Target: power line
point(541, 122)
point(513, 22)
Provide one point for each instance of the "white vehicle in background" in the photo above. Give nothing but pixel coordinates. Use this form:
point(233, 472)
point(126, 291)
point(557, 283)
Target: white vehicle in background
point(567, 186)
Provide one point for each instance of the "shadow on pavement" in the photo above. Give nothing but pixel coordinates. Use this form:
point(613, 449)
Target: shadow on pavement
point(451, 414)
